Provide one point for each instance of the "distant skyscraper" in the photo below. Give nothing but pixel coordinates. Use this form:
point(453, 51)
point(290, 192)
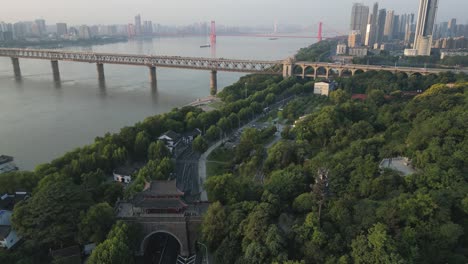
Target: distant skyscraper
point(452, 27)
point(372, 27)
point(359, 19)
point(19, 30)
point(388, 29)
point(131, 32)
point(62, 29)
point(354, 39)
point(84, 32)
point(380, 25)
point(148, 28)
point(443, 30)
point(396, 27)
point(138, 29)
point(424, 27)
point(41, 26)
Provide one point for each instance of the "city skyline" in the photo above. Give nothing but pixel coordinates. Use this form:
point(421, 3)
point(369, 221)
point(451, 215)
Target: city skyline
point(307, 13)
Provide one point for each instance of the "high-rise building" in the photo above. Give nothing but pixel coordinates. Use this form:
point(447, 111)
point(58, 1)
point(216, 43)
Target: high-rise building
point(402, 26)
point(138, 29)
point(62, 29)
point(380, 25)
point(131, 32)
point(396, 27)
point(19, 30)
point(460, 30)
point(84, 32)
point(359, 19)
point(424, 27)
point(41, 26)
point(443, 30)
point(409, 30)
point(388, 29)
point(354, 39)
point(371, 30)
point(452, 27)
point(148, 28)
point(368, 40)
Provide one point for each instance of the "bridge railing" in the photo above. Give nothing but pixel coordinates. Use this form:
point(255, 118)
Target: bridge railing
point(249, 66)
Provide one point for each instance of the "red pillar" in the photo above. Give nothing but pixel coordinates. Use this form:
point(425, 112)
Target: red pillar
point(319, 37)
point(213, 33)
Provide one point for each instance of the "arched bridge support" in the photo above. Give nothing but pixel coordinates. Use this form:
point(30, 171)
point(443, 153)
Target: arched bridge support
point(288, 68)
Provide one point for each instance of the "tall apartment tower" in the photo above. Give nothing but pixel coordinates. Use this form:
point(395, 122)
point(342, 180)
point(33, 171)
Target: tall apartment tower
point(41, 26)
point(380, 25)
point(388, 29)
point(359, 18)
point(62, 29)
point(424, 27)
point(138, 28)
point(371, 30)
point(452, 27)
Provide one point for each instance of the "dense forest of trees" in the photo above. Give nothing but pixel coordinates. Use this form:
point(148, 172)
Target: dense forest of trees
point(324, 198)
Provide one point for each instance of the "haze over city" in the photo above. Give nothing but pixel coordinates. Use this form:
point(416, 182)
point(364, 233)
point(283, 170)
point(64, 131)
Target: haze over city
point(242, 12)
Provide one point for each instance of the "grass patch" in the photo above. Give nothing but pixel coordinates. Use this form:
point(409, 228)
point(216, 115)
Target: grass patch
point(216, 104)
point(218, 161)
point(214, 168)
point(221, 154)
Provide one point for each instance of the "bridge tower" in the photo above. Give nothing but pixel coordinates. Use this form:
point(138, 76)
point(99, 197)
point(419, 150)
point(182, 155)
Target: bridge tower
point(213, 33)
point(319, 36)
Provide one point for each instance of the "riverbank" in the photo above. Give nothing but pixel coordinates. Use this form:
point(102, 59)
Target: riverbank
point(55, 44)
point(207, 104)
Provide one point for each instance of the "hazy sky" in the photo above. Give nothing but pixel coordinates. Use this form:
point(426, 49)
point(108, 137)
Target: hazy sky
point(335, 13)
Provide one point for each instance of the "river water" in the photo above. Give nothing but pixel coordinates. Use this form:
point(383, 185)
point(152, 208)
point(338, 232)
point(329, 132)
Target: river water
point(39, 122)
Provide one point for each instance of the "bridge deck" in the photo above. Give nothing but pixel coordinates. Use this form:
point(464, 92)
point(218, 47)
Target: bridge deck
point(196, 63)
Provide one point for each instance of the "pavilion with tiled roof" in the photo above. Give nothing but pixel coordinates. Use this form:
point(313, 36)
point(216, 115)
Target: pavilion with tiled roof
point(160, 197)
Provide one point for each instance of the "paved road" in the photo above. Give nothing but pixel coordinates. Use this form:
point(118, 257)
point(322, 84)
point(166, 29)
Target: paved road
point(202, 170)
point(277, 138)
point(202, 161)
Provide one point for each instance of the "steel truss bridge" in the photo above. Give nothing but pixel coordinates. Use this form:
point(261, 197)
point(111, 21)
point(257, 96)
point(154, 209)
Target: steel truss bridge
point(287, 67)
point(194, 63)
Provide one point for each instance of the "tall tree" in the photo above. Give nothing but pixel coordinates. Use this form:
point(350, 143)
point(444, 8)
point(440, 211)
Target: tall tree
point(51, 216)
point(96, 223)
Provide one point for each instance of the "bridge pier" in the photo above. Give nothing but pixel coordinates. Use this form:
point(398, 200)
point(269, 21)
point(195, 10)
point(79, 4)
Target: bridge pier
point(214, 82)
point(55, 71)
point(101, 76)
point(340, 72)
point(153, 77)
point(16, 68)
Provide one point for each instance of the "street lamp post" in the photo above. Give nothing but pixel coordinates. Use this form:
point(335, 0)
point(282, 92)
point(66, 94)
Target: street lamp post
point(206, 253)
